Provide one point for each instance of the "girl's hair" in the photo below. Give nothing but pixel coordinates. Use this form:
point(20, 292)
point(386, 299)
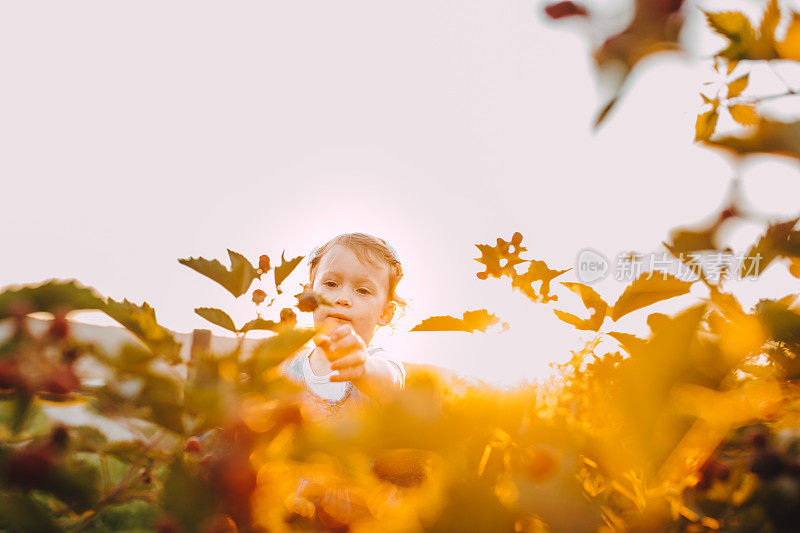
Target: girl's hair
point(368, 249)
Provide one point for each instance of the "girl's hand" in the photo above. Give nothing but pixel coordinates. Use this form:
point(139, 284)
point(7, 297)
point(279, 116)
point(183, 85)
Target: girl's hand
point(347, 352)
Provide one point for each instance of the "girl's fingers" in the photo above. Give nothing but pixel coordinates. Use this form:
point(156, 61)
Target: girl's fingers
point(342, 347)
point(342, 331)
point(355, 358)
point(348, 374)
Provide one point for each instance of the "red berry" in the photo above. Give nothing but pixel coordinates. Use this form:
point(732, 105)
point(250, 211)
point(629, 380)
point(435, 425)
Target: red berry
point(287, 315)
point(263, 263)
point(193, 446)
point(307, 302)
point(62, 380)
point(564, 9)
point(167, 524)
point(29, 468)
point(259, 296)
point(59, 327)
point(10, 377)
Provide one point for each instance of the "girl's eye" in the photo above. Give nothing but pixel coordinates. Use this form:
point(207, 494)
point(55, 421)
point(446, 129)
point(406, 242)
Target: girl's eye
point(331, 284)
point(364, 291)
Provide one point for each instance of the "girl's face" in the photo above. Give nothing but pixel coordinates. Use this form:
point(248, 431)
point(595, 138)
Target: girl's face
point(358, 291)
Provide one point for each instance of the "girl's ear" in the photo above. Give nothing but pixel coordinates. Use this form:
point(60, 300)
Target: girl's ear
point(388, 313)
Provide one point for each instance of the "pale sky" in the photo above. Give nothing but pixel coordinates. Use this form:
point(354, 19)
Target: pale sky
point(132, 134)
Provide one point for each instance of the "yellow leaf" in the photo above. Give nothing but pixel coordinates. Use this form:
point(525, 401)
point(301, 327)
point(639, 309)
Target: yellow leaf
point(772, 15)
point(744, 114)
point(706, 99)
point(643, 292)
point(732, 66)
point(794, 267)
point(789, 48)
point(738, 85)
point(730, 23)
point(705, 125)
point(592, 301)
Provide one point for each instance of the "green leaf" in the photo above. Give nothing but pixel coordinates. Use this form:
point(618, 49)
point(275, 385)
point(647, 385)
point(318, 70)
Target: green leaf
point(592, 301)
point(21, 513)
point(76, 482)
point(472, 321)
point(643, 292)
point(164, 396)
point(236, 280)
point(259, 324)
point(218, 317)
point(272, 351)
point(141, 321)
point(49, 296)
point(188, 497)
point(283, 270)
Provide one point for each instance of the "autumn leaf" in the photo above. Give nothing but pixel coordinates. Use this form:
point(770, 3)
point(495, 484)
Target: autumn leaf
point(745, 115)
point(235, 280)
point(643, 292)
point(778, 240)
point(770, 136)
point(501, 259)
point(705, 125)
point(738, 85)
point(737, 29)
point(537, 271)
point(631, 343)
point(789, 48)
point(655, 27)
point(217, 317)
point(284, 269)
point(592, 301)
point(471, 321)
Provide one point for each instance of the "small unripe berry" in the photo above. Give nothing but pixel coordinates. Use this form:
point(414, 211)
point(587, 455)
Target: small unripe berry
point(758, 439)
point(259, 296)
point(263, 263)
point(59, 438)
point(307, 302)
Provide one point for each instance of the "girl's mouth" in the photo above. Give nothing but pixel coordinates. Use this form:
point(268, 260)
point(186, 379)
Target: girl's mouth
point(341, 318)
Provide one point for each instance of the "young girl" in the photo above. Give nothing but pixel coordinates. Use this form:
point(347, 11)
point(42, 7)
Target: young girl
point(357, 273)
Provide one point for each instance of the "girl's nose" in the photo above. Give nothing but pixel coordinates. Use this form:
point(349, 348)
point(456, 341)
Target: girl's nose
point(343, 301)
